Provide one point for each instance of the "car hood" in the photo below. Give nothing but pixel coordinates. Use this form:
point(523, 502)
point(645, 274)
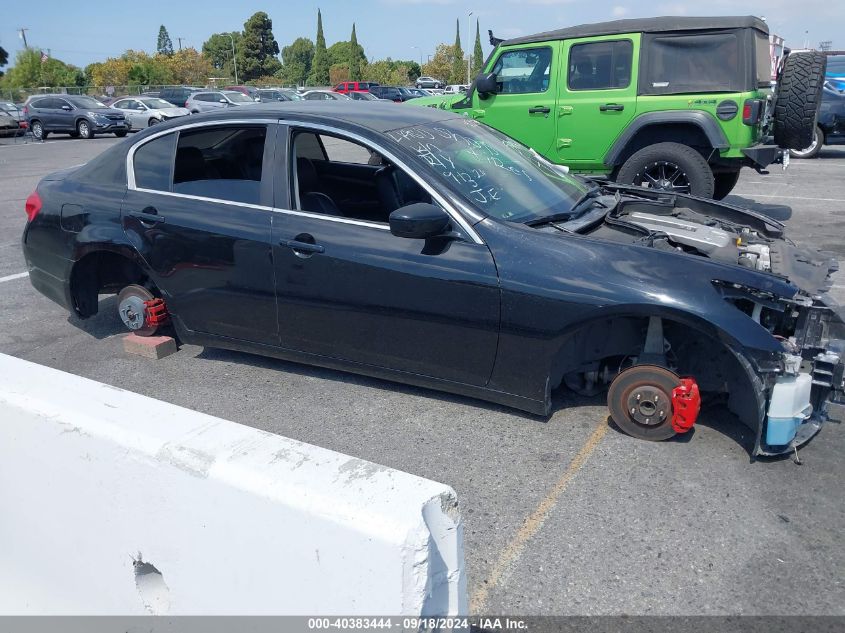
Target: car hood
point(174, 111)
point(105, 111)
point(739, 238)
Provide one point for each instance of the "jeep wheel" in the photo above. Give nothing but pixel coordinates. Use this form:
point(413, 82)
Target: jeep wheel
point(814, 148)
point(670, 167)
point(798, 98)
point(724, 183)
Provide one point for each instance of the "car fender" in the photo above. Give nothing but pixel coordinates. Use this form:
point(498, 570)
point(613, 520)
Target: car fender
point(698, 118)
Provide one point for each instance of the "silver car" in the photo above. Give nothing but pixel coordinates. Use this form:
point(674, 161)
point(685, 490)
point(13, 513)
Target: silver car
point(324, 95)
point(143, 111)
point(213, 99)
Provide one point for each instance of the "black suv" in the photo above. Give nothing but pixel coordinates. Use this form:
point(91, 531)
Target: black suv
point(389, 92)
point(179, 95)
point(77, 115)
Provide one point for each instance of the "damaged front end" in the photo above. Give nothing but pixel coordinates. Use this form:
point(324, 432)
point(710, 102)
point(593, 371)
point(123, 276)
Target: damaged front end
point(798, 385)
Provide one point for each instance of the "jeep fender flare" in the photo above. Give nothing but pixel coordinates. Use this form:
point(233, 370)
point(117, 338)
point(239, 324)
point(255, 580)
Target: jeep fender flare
point(698, 118)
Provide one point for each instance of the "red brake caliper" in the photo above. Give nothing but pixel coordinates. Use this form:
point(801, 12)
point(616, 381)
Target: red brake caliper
point(686, 403)
point(155, 312)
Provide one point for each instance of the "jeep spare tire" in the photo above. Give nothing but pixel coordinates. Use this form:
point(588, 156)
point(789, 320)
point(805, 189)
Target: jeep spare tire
point(798, 98)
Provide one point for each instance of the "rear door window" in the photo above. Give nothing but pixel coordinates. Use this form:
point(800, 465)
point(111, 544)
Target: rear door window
point(706, 62)
point(600, 65)
point(153, 162)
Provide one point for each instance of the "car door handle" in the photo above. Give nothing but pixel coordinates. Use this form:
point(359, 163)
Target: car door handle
point(147, 216)
point(302, 247)
point(539, 110)
point(615, 107)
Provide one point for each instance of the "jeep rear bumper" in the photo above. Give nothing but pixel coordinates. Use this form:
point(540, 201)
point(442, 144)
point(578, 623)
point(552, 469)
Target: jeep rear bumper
point(761, 156)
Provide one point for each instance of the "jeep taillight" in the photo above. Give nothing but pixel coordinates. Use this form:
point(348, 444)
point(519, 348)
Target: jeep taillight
point(32, 206)
point(751, 110)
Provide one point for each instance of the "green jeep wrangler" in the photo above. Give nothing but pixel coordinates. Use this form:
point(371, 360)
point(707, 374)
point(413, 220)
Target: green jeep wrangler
point(677, 103)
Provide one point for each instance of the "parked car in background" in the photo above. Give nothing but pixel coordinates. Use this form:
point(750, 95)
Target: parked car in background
point(214, 99)
point(455, 89)
point(391, 93)
point(502, 284)
point(345, 87)
point(323, 95)
point(421, 92)
point(179, 96)
point(830, 129)
point(9, 125)
point(428, 82)
point(142, 112)
point(364, 96)
point(835, 74)
point(407, 93)
point(274, 94)
point(249, 91)
point(12, 109)
point(76, 115)
point(151, 93)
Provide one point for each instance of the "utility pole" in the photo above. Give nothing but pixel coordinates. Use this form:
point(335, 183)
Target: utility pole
point(23, 31)
point(234, 61)
point(469, 50)
point(180, 43)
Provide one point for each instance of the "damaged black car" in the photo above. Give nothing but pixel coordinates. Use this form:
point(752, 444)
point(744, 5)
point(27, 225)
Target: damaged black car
point(421, 246)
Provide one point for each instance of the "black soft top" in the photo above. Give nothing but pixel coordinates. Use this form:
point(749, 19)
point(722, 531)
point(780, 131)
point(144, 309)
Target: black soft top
point(647, 25)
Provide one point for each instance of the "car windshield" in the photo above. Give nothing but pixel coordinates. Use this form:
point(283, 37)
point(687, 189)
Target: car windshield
point(497, 174)
point(86, 102)
point(156, 104)
point(290, 94)
point(366, 96)
point(9, 107)
point(238, 97)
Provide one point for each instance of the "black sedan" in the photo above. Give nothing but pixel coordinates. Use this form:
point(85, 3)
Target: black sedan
point(423, 247)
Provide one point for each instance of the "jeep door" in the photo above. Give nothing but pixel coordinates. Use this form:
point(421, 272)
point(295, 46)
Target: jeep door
point(525, 105)
point(598, 98)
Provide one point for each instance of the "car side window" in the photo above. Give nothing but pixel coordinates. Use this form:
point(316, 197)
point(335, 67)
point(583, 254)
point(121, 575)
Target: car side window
point(39, 103)
point(600, 65)
point(124, 105)
point(152, 163)
point(523, 71)
point(340, 177)
point(221, 162)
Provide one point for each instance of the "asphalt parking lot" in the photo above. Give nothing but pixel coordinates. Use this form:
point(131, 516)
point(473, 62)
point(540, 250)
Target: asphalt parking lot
point(562, 515)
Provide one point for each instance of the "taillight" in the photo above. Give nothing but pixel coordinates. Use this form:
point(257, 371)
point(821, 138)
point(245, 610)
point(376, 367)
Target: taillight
point(751, 111)
point(33, 205)
point(186, 105)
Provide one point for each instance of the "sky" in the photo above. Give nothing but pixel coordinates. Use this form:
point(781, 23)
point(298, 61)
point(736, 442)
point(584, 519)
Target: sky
point(401, 29)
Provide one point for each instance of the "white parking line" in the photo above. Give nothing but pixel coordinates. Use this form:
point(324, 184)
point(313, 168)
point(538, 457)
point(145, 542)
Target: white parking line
point(13, 277)
point(760, 195)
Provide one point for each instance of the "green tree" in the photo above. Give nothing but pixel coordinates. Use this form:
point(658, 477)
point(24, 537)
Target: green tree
point(477, 53)
point(257, 53)
point(457, 75)
point(414, 69)
point(440, 65)
point(29, 71)
point(165, 44)
point(340, 52)
point(355, 56)
point(218, 50)
point(320, 66)
point(4, 58)
point(387, 71)
point(297, 59)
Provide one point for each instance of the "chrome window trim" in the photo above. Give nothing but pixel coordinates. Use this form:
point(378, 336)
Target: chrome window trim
point(448, 207)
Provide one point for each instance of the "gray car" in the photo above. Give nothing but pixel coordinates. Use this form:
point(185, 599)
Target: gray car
point(211, 100)
point(324, 95)
point(77, 115)
point(142, 112)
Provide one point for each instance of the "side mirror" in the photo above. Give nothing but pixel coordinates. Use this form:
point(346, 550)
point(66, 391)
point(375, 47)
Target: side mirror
point(223, 101)
point(66, 108)
point(486, 85)
point(140, 109)
point(419, 221)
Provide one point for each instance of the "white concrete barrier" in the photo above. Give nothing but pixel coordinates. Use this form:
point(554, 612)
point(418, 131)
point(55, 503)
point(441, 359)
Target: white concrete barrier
point(112, 503)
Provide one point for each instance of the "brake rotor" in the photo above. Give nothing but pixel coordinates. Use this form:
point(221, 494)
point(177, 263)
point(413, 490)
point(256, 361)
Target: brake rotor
point(640, 401)
point(132, 308)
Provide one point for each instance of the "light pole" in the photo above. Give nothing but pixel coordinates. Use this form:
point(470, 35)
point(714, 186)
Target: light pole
point(419, 50)
point(469, 54)
point(234, 61)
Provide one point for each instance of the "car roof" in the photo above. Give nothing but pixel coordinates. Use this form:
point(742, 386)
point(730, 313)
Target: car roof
point(646, 25)
point(379, 117)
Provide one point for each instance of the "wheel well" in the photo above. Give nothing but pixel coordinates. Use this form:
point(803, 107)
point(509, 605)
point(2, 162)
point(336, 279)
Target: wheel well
point(102, 272)
point(682, 133)
point(609, 345)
